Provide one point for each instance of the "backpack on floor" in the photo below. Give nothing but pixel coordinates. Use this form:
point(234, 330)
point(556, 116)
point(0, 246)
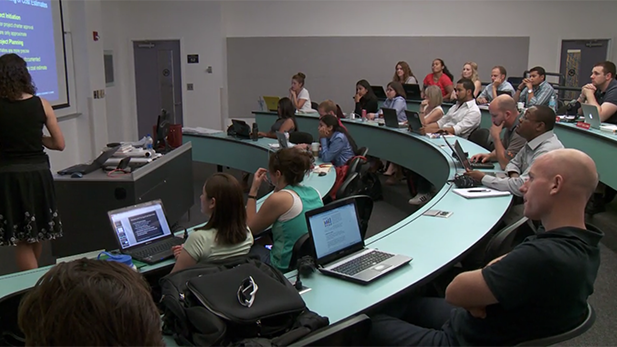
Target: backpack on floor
point(238, 301)
point(370, 185)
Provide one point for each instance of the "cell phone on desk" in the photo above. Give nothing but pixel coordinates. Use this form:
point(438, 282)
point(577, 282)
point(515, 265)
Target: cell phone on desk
point(438, 213)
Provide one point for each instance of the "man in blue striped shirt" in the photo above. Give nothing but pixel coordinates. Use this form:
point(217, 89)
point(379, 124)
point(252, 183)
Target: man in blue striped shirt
point(534, 90)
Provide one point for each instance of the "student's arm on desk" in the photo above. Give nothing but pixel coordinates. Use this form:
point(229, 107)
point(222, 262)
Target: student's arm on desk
point(183, 261)
point(608, 108)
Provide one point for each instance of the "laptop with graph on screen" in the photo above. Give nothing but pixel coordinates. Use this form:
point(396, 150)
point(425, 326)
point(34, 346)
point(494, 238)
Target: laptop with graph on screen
point(339, 248)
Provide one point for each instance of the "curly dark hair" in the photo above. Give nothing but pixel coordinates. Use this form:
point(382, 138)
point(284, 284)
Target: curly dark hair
point(15, 79)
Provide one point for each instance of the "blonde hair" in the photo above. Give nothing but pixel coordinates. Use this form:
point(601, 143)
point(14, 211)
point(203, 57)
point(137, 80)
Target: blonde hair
point(434, 96)
point(474, 71)
point(328, 106)
point(406, 72)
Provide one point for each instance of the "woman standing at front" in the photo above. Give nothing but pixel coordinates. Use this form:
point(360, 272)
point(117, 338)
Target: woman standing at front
point(298, 94)
point(28, 213)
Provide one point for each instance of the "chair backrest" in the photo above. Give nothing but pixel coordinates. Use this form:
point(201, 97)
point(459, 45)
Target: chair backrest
point(354, 166)
point(350, 185)
point(365, 209)
point(352, 331)
point(314, 105)
point(297, 137)
point(502, 242)
point(301, 248)
point(362, 151)
point(339, 112)
point(580, 329)
point(481, 137)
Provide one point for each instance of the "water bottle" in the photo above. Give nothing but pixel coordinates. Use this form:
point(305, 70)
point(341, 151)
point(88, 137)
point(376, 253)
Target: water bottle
point(262, 104)
point(149, 142)
point(255, 133)
point(553, 103)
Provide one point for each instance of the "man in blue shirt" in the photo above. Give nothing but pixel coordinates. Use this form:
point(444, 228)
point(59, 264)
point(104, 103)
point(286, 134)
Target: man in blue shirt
point(534, 90)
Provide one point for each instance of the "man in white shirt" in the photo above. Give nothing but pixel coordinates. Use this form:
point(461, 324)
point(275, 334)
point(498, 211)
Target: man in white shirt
point(462, 118)
point(498, 86)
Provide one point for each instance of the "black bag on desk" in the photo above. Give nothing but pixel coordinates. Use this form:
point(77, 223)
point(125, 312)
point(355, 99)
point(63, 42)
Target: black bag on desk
point(201, 305)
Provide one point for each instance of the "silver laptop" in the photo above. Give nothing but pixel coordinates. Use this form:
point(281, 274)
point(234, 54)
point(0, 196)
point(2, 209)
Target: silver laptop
point(143, 233)
point(592, 116)
point(283, 143)
point(339, 247)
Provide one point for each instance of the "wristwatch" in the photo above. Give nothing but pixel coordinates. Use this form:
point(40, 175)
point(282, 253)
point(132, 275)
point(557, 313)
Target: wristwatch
point(529, 91)
point(252, 197)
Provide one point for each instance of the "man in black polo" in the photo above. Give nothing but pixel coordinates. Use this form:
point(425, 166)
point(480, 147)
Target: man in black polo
point(602, 91)
point(537, 290)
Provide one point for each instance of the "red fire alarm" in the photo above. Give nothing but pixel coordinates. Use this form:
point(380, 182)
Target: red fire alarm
point(95, 35)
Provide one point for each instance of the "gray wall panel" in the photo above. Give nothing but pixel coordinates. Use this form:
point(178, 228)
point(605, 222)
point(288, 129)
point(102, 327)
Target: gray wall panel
point(264, 65)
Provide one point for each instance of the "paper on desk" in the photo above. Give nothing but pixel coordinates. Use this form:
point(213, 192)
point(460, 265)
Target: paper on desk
point(322, 168)
point(200, 131)
point(479, 192)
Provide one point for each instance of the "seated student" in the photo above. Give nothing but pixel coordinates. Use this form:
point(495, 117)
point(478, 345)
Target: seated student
point(440, 77)
point(602, 91)
point(499, 84)
point(505, 115)
point(403, 74)
point(226, 234)
point(337, 146)
point(286, 121)
point(284, 209)
point(470, 71)
point(89, 302)
point(534, 90)
point(430, 108)
point(365, 98)
point(537, 290)
point(298, 94)
point(536, 126)
point(395, 100)
point(462, 118)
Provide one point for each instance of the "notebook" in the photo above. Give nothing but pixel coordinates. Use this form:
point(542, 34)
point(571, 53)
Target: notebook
point(143, 233)
point(479, 192)
point(339, 248)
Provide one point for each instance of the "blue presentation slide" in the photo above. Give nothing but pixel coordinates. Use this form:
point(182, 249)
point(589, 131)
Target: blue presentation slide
point(26, 29)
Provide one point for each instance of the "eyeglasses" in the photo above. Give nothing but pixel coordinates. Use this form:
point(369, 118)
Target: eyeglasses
point(247, 291)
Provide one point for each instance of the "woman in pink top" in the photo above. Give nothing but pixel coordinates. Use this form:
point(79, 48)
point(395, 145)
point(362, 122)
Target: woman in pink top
point(440, 77)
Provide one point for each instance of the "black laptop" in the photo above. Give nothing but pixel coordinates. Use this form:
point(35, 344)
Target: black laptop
point(379, 92)
point(458, 152)
point(143, 233)
point(391, 118)
point(413, 121)
point(96, 164)
point(412, 91)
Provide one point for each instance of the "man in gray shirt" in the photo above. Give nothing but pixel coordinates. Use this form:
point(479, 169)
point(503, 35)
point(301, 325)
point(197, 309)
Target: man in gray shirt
point(504, 115)
point(499, 86)
point(536, 126)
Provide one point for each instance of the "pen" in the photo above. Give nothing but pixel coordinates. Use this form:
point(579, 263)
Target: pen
point(478, 191)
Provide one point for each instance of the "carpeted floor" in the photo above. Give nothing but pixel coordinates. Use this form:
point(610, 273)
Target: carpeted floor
point(394, 207)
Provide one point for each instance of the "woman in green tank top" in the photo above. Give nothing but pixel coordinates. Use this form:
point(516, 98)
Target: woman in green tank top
point(284, 209)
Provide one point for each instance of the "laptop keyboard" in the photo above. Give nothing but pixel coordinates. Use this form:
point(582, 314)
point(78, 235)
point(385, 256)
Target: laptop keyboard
point(482, 165)
point(362, 263)
point(156, 248)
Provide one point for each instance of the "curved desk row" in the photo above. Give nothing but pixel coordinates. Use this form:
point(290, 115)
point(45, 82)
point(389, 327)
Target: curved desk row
point(599, 145)
point(434, 243)
point(216, 149)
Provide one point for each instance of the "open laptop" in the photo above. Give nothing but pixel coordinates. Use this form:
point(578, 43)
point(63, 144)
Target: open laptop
point(412, 91)
point(592, 116)
point(143, 233)
point(462, 157)
point(283, 143)
point(272, 103)
point(96, 164)
point(339, 248)
point(413, 121)
point(391, 119)
point(380, 93)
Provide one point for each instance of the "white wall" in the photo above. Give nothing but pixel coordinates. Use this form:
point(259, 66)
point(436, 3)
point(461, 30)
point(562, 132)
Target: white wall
point(198, 26)
point(545, 22)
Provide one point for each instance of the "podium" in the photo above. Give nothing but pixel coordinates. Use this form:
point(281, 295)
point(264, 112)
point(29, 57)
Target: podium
point(83, 203)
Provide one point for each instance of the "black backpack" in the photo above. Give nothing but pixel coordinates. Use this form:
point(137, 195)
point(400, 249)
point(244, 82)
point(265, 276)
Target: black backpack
point(201, 306)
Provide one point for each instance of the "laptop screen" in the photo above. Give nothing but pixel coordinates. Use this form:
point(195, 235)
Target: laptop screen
point(139, 224)
point(282, 139)
point(335, 229)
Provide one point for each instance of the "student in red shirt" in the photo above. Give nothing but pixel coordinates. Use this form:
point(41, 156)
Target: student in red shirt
point(440, 77)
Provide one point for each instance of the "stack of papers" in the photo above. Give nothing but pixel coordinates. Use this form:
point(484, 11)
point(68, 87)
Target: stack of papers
point(322, 168)
point(609, 128)
point(200, 131)
point(479, 192)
